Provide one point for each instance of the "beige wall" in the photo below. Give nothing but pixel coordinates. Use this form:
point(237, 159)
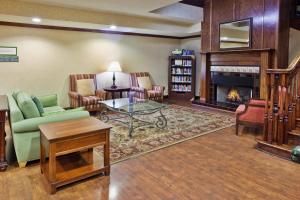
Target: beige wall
point(294, 44)
point(47, 57)
point(194, 44)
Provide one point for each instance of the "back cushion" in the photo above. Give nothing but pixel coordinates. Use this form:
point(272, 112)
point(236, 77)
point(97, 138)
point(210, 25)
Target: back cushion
point(86, 87)
point(145, 82)
point(27, 106)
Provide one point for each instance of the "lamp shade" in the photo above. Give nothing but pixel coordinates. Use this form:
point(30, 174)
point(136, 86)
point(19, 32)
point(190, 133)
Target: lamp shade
point(114, 67)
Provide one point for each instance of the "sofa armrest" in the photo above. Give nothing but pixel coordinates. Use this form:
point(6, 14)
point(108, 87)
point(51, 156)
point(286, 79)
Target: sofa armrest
point(101, 94)
point(49, 100)
point(32, 124)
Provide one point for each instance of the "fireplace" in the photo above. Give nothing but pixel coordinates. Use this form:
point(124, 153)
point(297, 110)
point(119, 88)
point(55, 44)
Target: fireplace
point(234, 85)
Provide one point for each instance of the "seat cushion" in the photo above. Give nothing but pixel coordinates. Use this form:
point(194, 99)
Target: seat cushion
point(52, 110)
point(145, 82)
point(154, 93)
point(86, 87)
point(91, 100)
point(27, 106)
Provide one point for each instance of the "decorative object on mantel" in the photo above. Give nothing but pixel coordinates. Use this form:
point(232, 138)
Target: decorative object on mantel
point(8, 54)
point(114, 66)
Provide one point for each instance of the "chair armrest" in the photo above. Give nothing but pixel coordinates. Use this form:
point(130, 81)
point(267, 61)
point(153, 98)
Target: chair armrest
point(48, 100)
point(74, 95)
point(101, 94)
point(138, 89)
point(32, 124)
point(158, 88)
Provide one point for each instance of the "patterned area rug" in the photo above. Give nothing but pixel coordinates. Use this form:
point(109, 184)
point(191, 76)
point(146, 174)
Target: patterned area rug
point(184, 123)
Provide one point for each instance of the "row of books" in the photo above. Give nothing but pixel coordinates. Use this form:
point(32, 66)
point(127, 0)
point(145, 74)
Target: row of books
point(181, 88)
point(181, 71)
point(182, 79)
point(180, 62)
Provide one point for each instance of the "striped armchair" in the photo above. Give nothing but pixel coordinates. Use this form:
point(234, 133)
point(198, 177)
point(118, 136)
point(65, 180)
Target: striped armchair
point(89, 102)
point(156, 94)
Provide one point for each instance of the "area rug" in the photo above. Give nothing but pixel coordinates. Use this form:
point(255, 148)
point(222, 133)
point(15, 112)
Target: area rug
point(184, 123)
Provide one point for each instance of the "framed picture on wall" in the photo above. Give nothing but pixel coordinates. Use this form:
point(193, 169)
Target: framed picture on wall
point(8, 51)
point(8, 54)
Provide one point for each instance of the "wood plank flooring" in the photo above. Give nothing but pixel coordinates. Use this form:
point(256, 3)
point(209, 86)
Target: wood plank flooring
point(220, 165)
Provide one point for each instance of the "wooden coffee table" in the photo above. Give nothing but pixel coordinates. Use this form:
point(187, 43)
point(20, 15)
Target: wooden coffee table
point(69, 145)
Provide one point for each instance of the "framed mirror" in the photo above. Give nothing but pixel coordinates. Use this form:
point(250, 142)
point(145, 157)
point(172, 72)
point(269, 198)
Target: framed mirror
point(236, 34)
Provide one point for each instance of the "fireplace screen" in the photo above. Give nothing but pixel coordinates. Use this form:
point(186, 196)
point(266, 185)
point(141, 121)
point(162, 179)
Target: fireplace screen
point(232, 89)
point(233, 95)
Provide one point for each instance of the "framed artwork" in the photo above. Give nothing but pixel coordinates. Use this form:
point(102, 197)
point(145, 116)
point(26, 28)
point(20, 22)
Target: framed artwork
point(8, 54)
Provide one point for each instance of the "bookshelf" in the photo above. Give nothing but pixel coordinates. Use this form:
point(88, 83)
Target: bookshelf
point(182, 70)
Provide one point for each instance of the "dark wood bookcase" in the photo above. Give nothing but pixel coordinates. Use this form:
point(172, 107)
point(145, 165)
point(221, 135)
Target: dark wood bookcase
point(182, 74)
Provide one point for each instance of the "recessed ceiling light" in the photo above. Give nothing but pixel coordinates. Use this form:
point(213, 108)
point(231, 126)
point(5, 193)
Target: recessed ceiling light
point(36, 19)
point(113, 27)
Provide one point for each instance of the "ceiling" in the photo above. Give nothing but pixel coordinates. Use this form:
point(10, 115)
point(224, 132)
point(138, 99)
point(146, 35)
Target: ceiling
point(186, 17)
point(131, 7)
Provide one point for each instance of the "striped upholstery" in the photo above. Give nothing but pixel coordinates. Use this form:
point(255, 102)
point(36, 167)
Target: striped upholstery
point(156, 94)
point(77, 100)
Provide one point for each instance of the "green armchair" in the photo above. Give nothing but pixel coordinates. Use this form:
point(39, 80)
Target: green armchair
point(25, 132)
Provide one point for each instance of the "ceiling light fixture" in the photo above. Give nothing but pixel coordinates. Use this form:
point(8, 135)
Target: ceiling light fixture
point(36, 20)
point(113, 27)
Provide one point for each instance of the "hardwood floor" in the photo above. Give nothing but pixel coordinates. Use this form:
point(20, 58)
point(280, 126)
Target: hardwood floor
point(220, 165)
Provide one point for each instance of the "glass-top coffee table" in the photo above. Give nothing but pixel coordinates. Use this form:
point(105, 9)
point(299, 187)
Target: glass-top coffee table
point(131, 109)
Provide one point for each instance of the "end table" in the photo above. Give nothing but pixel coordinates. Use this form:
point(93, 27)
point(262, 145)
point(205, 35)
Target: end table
point(114, 90)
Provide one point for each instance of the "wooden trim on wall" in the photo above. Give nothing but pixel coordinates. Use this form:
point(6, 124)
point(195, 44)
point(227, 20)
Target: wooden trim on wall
point(63, 28)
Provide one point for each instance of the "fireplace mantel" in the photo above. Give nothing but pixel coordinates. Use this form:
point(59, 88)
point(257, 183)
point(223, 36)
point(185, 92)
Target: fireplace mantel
point(263, 58)
point(237, 51)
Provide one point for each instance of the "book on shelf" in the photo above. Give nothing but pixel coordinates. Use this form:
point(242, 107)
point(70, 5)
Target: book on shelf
point(182, 79)
point(181, 71)
point(181, 88)
point(181, 62)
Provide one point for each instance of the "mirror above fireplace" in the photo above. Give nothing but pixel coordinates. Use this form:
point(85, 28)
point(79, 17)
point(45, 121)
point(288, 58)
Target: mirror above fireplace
point(235, 34)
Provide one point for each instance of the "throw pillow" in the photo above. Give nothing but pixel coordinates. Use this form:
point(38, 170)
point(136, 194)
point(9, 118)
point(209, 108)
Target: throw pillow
point(86, 87)
point(38, 104)
point(144, 82)
point(27, 106)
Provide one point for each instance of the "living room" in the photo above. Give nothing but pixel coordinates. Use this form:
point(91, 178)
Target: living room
point(167, 99)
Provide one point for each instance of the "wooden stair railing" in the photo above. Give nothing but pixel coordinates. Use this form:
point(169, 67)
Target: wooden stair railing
point(283, 103)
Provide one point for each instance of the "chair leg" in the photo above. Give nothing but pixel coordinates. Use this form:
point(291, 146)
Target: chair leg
point(22, 164)
point(237, 129)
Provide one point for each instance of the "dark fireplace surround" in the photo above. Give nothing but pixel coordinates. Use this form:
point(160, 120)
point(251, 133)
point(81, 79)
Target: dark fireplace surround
point(242, 71)
point(230, 89)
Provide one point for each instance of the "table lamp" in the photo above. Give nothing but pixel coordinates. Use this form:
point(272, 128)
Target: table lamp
point(114, 67)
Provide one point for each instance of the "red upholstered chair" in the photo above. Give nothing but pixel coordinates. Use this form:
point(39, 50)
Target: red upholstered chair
point(91, 103)
point(250, 114)
point(156, 93)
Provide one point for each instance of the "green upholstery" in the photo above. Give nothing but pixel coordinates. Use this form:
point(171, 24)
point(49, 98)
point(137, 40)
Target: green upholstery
point(38, 104)
point(15, 112)
point(53, 109)
point(27, 106)
point(26, 134)
point(48, 100)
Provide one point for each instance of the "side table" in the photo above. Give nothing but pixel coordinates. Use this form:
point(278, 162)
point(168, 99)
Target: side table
point(70, 147)
point(114, 90)
point(4, 108)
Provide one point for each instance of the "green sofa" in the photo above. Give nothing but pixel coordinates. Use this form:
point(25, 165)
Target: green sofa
point(24, 123)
